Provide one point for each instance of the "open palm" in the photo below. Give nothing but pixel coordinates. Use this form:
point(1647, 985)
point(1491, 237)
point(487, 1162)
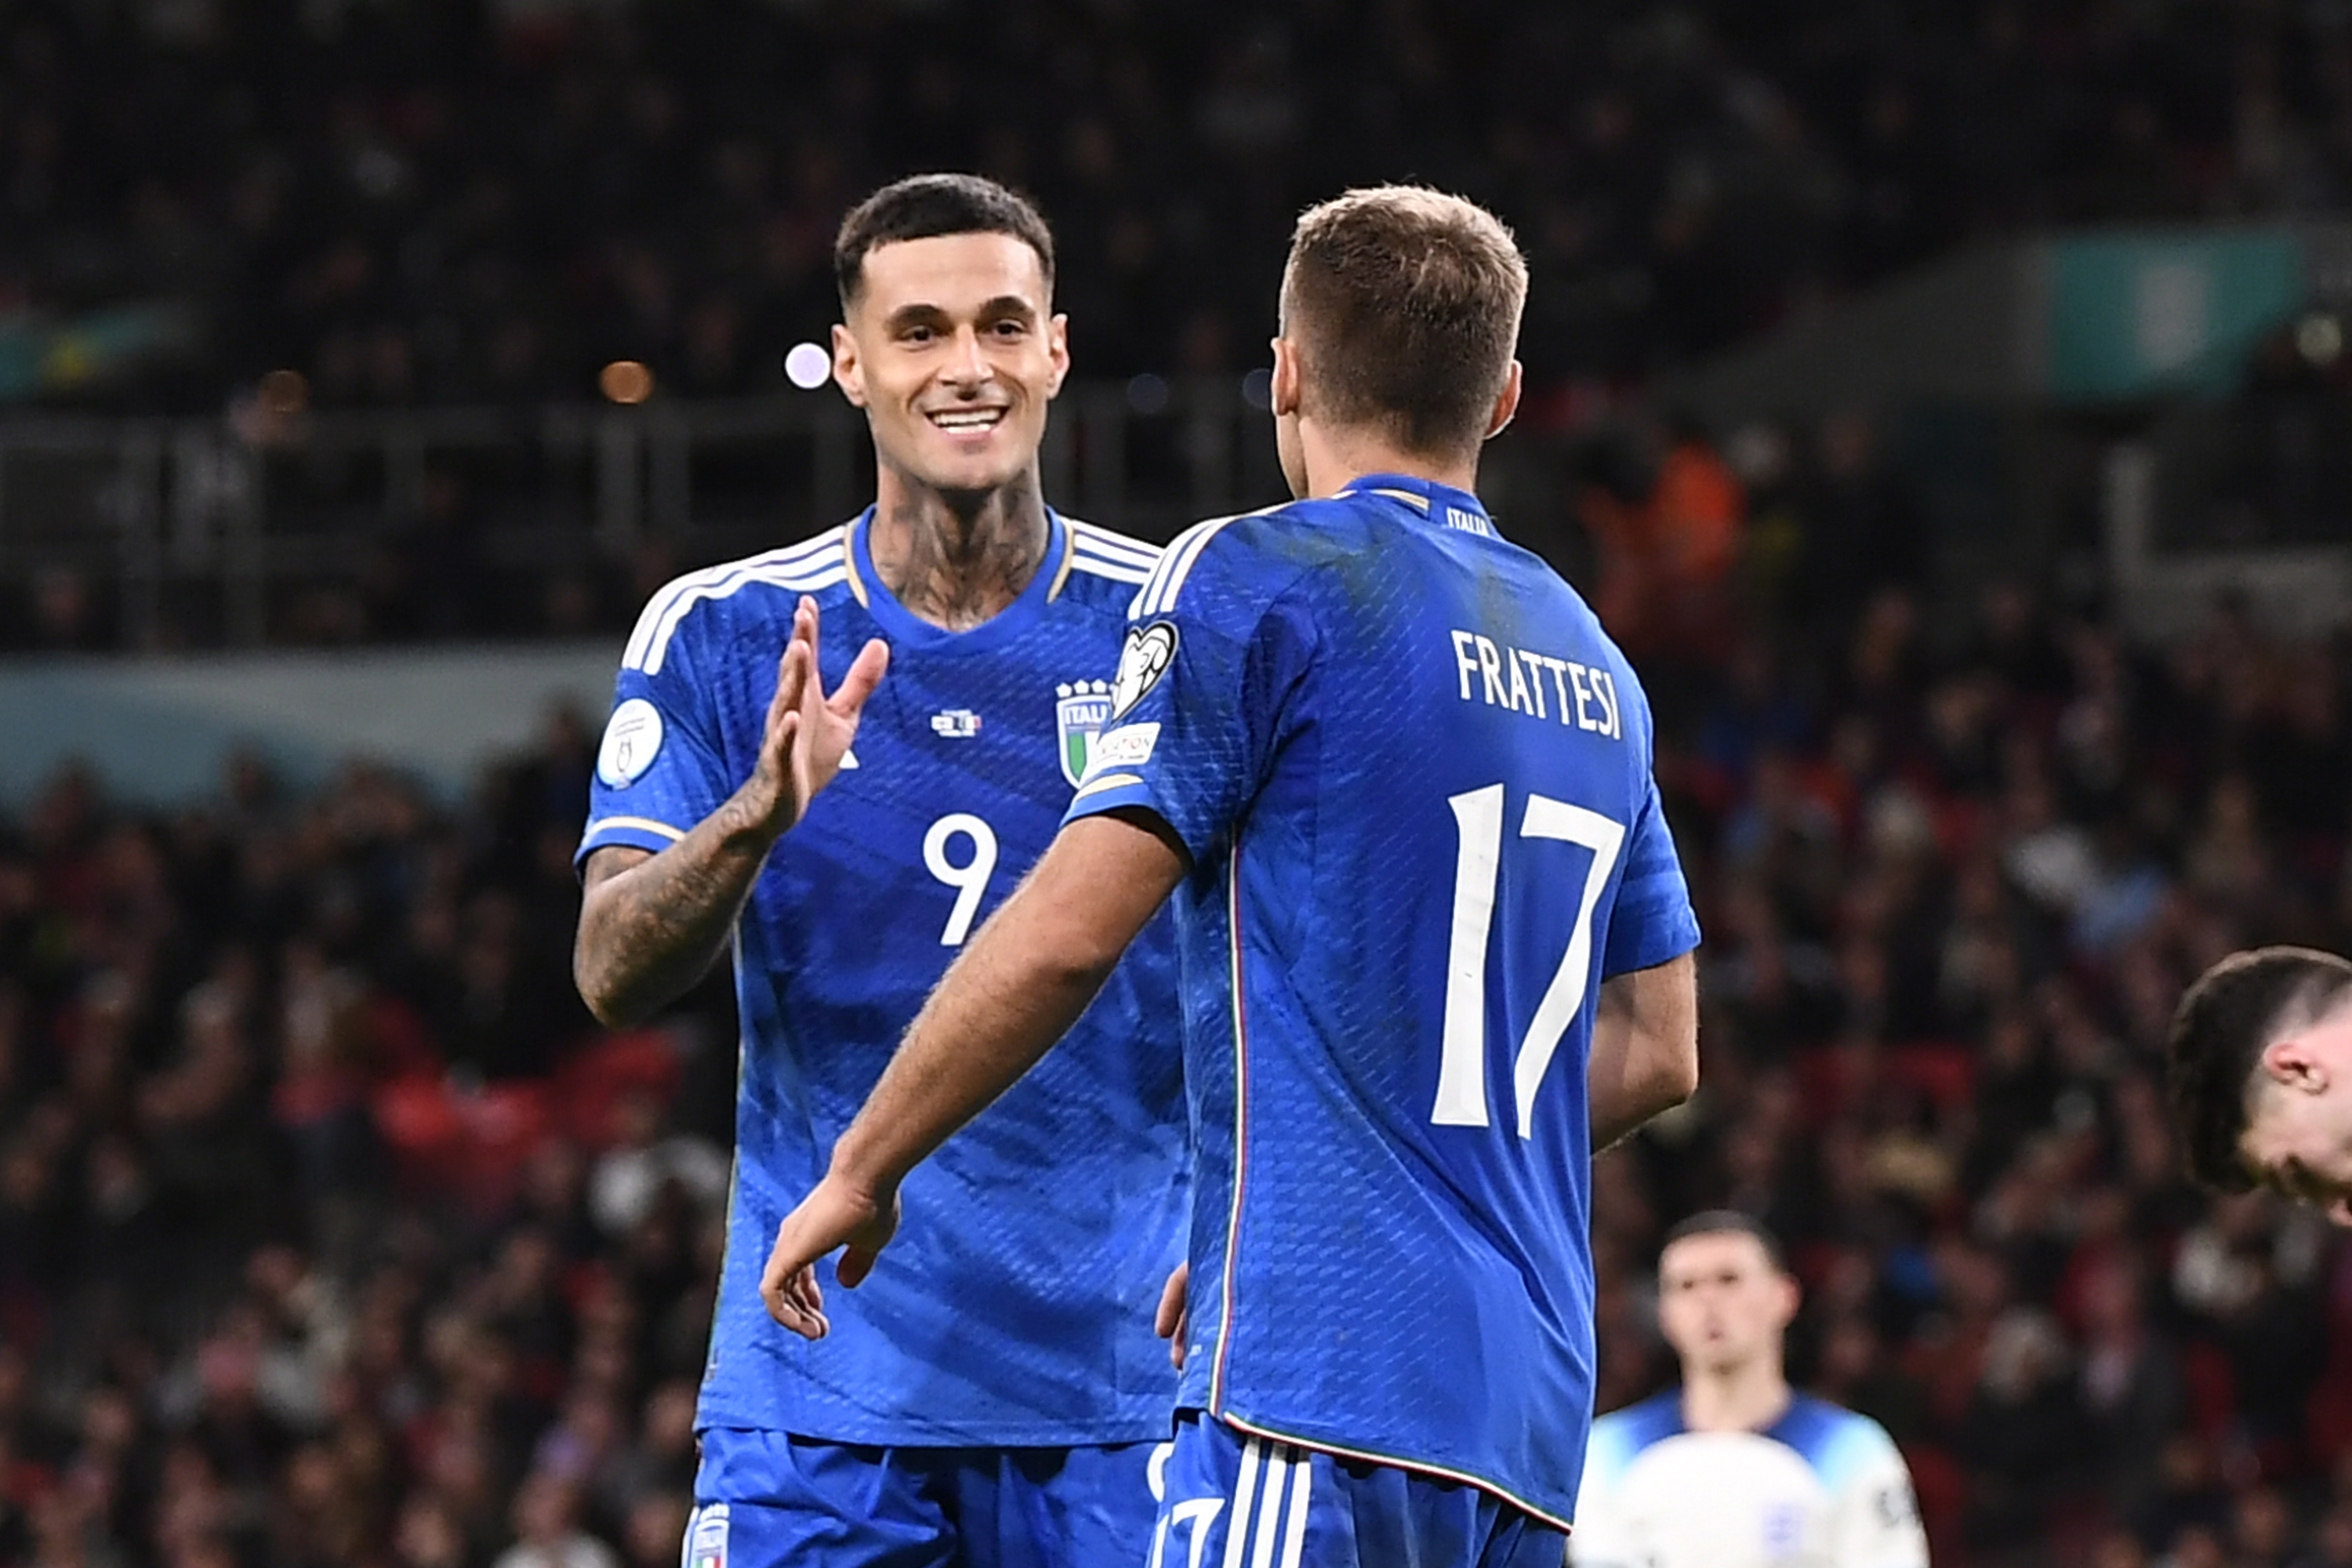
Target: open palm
point(809, 733)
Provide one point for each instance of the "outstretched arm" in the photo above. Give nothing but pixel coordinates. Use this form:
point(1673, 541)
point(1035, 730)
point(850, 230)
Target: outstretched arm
point(652, 924)
point(1644, 1048)
point(1017, 988)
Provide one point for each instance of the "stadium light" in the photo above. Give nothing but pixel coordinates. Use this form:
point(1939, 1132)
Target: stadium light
point(808, 366)
point(625, 381)
point(1148, 394)
point(2320, 337)
point(1257, 388)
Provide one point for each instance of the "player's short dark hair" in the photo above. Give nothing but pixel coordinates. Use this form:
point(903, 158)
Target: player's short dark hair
point(925, 207)
point(1404, 303)
point(2220, 1031)
point(1729, 1222)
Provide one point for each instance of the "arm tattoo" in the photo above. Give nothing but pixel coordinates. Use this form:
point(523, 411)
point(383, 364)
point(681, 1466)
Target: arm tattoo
point(652, 925)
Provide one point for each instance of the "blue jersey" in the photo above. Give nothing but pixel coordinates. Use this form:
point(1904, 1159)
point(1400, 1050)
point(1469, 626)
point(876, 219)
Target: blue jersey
point(1015, 1307)
point(1414, 778)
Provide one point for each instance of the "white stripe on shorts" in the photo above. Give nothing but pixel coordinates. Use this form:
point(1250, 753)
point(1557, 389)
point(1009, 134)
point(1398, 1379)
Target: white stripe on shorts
point(1302, 1482)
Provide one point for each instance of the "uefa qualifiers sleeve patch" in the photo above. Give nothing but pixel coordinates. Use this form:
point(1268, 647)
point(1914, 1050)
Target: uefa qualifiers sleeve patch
point(632, 740)
point(1149, 652)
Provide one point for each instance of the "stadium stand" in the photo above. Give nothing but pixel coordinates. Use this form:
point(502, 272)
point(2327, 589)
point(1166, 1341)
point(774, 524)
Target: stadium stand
point(483, 201)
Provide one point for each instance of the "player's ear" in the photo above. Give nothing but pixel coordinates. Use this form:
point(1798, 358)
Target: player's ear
point(1793, 1296)
point(1057, 350)
point(848, 373)
point(1282, 390)
point(1506, 403)
point(2289, 1062)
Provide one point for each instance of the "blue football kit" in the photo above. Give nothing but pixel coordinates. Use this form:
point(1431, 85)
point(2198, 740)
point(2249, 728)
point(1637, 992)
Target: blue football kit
point(1413, 778)
point(996, 1381)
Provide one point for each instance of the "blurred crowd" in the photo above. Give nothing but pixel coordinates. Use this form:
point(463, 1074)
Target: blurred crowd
point(331, 1232)
point(1956, 862)
point(1953, 885)
point(490, 199)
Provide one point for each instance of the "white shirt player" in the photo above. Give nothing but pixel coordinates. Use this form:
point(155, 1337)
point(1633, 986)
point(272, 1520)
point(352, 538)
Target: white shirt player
point(1820, 1487)
point(1736, 1470)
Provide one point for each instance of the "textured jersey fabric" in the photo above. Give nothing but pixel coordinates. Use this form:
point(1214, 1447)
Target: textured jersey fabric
point(1414, 776)
point(1821, 1486)
point(1015, 1307)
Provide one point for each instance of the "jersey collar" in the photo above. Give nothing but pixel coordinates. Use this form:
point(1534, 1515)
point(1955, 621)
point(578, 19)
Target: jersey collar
point(1780, 1429)
point(1441, 505)
point(904, 627)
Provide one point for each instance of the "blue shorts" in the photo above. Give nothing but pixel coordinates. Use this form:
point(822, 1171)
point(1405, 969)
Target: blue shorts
point(1299, 1508)
point(768, 1499)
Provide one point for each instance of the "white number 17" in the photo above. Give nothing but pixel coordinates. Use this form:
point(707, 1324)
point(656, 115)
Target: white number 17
point(1477, 865)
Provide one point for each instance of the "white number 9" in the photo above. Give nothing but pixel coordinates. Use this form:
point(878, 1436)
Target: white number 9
point(969, 879)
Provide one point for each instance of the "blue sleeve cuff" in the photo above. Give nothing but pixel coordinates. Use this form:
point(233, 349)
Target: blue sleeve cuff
point(636, 832)
point(1119, 791)
point(1659, 935)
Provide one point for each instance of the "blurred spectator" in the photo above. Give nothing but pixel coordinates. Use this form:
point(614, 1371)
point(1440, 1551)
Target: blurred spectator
point(547, 1535)
point(1666, 553)
point(632, 1174)
point(2133, 1395)
point(2331, 1545)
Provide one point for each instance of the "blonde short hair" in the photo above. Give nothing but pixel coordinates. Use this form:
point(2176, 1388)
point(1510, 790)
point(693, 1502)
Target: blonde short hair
point(1404, 303)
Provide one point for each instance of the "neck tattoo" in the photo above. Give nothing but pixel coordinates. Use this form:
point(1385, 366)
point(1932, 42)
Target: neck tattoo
point(955, 568)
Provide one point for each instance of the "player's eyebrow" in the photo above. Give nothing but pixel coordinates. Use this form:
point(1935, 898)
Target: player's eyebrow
point(916, 315)
point(1010, 306)
point(1003, 307)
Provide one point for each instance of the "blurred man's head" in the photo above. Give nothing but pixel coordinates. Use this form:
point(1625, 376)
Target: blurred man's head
point(655, 1523)
point(2259, 1060)
point(1725, 1297)
point(1399, 316)
point(948, 338)
point(544, 1507)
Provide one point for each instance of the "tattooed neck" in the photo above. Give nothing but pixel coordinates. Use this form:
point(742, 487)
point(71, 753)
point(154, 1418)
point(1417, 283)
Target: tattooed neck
point(955, 565)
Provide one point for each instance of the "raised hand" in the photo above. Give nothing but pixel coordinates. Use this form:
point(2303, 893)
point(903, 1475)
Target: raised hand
point(808, 732)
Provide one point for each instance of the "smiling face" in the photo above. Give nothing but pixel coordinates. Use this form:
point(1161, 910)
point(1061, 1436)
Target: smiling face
point(2298, 1137)
point(1721, 1300)
point(952, 351)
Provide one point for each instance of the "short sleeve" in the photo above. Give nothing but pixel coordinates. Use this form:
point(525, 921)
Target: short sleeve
point(1877, 1514)
point(1652, 920)
point(660, 768)
point(1215, 646)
